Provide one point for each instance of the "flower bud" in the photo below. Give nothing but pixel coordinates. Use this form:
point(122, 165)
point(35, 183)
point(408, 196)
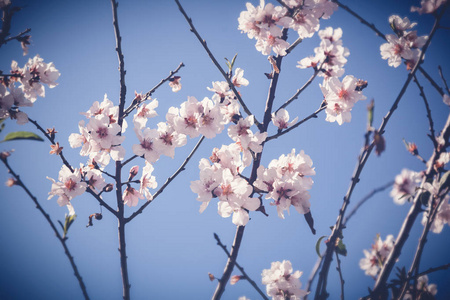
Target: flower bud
point(10, 182)
point(133, 172)
point(108, 188)
point(235, 278)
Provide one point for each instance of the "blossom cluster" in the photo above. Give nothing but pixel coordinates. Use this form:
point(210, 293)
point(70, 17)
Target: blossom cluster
point(74, 183)
point(423, 290)
point(265, 22)
point(376, 257)
point(285, 181)
point(329, 60)
point(101, 137)
point(281, 283)
point(330, 56)
point(403, 44)
point(24, 85)
point(405, 186)
point(221, 179)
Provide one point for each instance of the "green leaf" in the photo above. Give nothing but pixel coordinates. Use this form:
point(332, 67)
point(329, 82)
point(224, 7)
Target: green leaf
point(341, 249)
point(69, 220)
point(318, 245)
point(22, 135)
point(233, 60)
point(370, 109)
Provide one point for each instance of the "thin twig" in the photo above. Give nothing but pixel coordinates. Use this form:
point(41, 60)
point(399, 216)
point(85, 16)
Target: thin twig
point(129, 160)
point(313, 274)
point(408, 223)
point(147, 96)
point(427, 107)
point(18, 36)
point(205, 46)
point(224, 248)
point(311, 116)
point(366, 198)
point(414, 269)
point(61, 239)
point(168, 181)
point(339, 269)
point(381, 35)
point(321, 292)
point(299, 91)
point(293, 45)
point(443, 79)
point(69, 166)
point(120, 205)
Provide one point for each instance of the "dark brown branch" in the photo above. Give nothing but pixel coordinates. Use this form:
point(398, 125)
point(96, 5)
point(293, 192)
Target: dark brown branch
point(381, 35)
point(366, 198)
point(120, 205)
point(408, 223)
point(168, 181)
point(427, 107)
point(205, 46)
point(341, 278)
point(414, 269)
point(299, 91)
point(314, 272)
point(147, 96)
point(443, 79)
point(69, 166)
point(311, 116)
point(7, 14)
point(129, 160)
point(321, 292)
point(224, 248)
point(230, 263)
point(61, 239)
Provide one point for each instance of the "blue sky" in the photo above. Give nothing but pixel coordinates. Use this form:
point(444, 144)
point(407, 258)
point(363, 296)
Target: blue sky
point(170, 246)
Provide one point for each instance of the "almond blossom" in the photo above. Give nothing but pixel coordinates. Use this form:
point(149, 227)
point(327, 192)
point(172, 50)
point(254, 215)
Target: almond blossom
point(281, 119)
point(147, 181)
point(131, 196)
point(405, 186)
point(281, 283)
point(375, 258)
point(68, 186)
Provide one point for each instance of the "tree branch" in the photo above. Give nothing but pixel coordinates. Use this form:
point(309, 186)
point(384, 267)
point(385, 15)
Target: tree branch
point(366, 198)
point(341, 278)
point(311, 116)
point(205, 46)
point(224, 248)
point(61, 239)
point(299, 91)
point(136, 103)
point(321, 292)
point(120, 205)
point(443, 79)
point(427, 107)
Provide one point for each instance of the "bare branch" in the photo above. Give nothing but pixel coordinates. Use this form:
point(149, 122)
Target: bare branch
point(120, 205)
point(299, 91)
point(224, 248)
point(366, 198)
point(61, 239)
point(147, 96)
point(443, 79)
point(168, 181)
point(311, 116)
point(205, 46)
point(341, 278)
point(427, 107)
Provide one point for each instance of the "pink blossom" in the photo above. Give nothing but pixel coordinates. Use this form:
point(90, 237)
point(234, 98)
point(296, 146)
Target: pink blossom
point(131, 196)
